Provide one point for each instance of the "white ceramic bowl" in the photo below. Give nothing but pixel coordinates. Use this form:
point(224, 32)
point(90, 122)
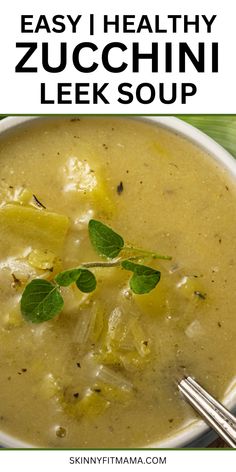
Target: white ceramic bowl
point(196, 433)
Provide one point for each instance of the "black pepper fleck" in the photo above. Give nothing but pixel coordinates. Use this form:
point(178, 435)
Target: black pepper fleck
point(78, 364)
point(120, 188)
point(200, 294)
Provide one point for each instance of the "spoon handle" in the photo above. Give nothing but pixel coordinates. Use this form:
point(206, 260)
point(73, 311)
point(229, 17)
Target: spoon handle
point(213, 412)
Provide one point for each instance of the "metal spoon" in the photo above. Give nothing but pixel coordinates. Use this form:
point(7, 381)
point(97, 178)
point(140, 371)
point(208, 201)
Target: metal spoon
point(213, 412)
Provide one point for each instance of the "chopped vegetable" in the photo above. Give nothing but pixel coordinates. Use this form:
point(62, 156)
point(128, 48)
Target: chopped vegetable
point(132, 361)
point(82, 181)
point(97, 322)
point(194, 329)
point(141, 342)
point(31, 227)
point(90, 324)
point(90, 405)
point(117, 329)
point(111, 392)
point(25, 197)
point(107, 375)
point(42, 259)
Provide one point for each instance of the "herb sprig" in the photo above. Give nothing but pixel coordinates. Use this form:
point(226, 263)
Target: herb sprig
point(42, 300)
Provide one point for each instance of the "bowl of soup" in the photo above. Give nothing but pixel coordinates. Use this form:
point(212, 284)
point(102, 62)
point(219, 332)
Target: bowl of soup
point(78, 380)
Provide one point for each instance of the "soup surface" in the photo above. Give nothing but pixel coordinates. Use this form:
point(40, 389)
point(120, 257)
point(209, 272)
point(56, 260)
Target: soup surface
point(102, 373)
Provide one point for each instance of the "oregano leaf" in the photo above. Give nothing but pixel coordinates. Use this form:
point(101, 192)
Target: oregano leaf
point(144, 279)
point(104, 240)
point(67, 277)
point(86, 281)
point(41, 301)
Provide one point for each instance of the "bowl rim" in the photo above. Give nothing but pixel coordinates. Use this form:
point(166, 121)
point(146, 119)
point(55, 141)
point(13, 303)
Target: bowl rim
point(190, 433)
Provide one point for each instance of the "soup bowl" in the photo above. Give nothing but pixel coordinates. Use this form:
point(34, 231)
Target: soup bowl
point(196, 433)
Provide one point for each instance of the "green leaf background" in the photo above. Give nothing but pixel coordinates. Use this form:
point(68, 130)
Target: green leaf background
point(221, 128)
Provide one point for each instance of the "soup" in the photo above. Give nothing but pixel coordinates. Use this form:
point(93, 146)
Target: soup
point(79, 379)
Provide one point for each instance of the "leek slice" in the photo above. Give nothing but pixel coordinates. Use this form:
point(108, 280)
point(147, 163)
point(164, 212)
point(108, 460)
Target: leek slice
point(113, 393)
point(115, 379)
point(132, 361)
point(42, 259)
point(90, 405)
point(141, 341)
point(83, 182)
point(90, 324)
point(29, 227)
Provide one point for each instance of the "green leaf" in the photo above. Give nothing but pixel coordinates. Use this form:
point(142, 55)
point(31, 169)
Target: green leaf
point(104, 240)
point(86, 281)
point(144, 279)
point(41, 301)
point(222, 128)
point(67, 277)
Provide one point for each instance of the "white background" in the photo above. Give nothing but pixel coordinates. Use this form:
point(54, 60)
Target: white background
point(20, 93)
point(176, 461)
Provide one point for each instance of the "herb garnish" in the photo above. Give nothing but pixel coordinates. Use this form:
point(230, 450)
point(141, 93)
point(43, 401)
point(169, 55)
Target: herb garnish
point(120, 188)
point(38, 203)
point(104, 240)
point(42, 300)
point(144, 278)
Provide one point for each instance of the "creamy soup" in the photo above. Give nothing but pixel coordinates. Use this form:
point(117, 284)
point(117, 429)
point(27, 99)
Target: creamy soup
point(103, 372)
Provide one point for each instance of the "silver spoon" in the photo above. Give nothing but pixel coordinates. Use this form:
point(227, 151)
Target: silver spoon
point(213, 412)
